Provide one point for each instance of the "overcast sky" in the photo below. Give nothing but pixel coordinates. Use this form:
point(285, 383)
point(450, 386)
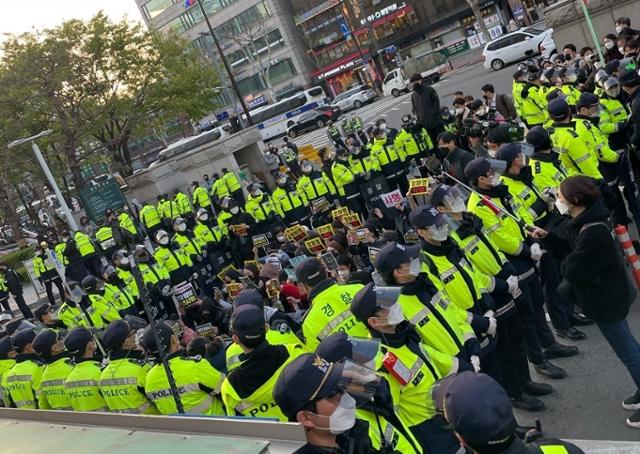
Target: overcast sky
point(19, 16)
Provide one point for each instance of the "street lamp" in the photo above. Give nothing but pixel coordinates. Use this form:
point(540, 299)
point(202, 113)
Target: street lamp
point(45, 168)
point(232, 79)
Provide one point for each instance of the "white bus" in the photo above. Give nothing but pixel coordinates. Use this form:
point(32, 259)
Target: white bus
point(274, 119)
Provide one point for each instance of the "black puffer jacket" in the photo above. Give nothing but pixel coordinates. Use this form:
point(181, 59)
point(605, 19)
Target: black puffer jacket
point(594, 272)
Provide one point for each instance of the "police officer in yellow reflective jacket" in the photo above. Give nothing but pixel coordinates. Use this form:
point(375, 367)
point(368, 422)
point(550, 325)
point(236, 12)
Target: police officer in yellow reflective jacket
point(83, 244)
point(52, 393)
point(389, 158)
point(330, 301)
point(7, 361)
point(127, 223)
point(481, 415)
point(100, 309)
point(248, 389)
point(118, 293)
point(410, 367)
point(532, 105)
point(197, 381)
point(494, 205)
point(46, 273)
point(219, 189)
point(614, 115)
point(345, 180)
point(546, 168)
point(150, 218)
point(122, 380)
point(200, 197)
point(386, 431)
point(289, 202)
point(233, 185)
point(263, 209)
point(315, 184)
point(22, 381)
point(70, 312)
point(81, 384)
point(413, 141)
point(176, 261)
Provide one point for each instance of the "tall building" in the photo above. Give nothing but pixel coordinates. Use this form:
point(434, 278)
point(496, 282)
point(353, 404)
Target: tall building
point(258, 37)
point(356, 41)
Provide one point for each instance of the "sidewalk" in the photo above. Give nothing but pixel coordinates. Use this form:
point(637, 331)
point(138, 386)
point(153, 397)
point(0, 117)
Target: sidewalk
point(31, 297)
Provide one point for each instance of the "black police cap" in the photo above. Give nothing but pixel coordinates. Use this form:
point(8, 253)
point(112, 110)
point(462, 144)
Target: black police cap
point(508, 153)
point(41, 311)
point(164, 332)
point(247, 322)
point(310, 272)
point(539, 138)
point(424, 216)
point(479, 167)
point(22, 338)
point(364, 303)
point(6, 347)
point(77, 339)
point(392, 255)
point(498, 135)
point(558, 108)
point(249, 296)
point(477, 408)
point(335, 347)
point(44, 341)
point(115, 334)
point(587, 99)
point(307, 378)
point(629, 78)
point(436, 198)
point(612, 66)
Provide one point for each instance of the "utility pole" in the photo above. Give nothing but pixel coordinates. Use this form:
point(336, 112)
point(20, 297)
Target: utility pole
point(232, 79)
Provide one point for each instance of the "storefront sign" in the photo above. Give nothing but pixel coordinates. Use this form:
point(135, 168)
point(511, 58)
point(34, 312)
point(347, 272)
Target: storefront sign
point(382, 13)
point(316, 10)
point(340, 68)
point(455, 48)
point(330, 21)
point(478, 39)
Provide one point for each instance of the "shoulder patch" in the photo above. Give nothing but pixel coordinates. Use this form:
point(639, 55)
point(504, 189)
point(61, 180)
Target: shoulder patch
point(138, 361)
point(196, 358)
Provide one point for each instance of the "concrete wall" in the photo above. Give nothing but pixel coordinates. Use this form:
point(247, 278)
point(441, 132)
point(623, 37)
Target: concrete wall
point(569, 25)
point(242, 149)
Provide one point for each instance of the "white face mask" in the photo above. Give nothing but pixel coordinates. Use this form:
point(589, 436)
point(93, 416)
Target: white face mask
point(383, 126)
point(440, 233)
point(280, 238)
point(458, 206)
point(613, 92)
point(163, 240)
point(415, 268)
point(495, 180)
point(621, 50)
point(618, 29)
point(343, 417)
point(204, 217)
point(480, 112)
point(562, 206)
point(257, 193)
point(343, 274)
point(234, 210)
point(395, 316)
point(307, 169)
point(182, 227)
point(459, 110)
point(609, 45)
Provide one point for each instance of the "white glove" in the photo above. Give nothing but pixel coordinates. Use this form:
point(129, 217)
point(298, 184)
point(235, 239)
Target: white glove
point(493, 325)
point(166, 290)
point(194, 275)
point(512, 282)
point(475, 362)
point(536, 252)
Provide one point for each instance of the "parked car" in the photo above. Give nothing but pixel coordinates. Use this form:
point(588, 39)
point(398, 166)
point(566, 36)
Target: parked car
point(524, 43)
point(354, 98)
point(396, 81)
point(312, 120)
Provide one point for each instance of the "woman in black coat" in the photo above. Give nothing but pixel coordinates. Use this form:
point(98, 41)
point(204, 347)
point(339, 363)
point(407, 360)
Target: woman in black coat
point(595, 276)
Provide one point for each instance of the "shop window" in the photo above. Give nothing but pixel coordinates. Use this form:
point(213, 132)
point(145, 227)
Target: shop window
point(282, 71)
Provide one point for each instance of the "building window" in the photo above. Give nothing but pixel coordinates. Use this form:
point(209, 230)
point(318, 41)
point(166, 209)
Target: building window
point(281, 71)
point(153, 8)
point(250, 85)
point(237, 58)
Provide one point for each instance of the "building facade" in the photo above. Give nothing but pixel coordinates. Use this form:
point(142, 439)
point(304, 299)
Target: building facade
point(258, 38)
point(357, 41)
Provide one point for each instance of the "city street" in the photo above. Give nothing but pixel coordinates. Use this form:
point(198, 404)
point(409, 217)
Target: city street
point(586, 404)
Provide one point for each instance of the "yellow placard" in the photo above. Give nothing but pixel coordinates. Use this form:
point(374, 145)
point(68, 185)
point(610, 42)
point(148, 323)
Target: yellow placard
point(224, 270)
point(325, 231)
point(338, 212)
point(314, 245)
point(352, 220)
point(252, 262)
point(233, 289)
point(419, 186)
point(238, 229)
point(295, 233)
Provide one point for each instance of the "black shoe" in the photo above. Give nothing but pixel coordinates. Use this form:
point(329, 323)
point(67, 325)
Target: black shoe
point(634, 420)
point(578, 319)
point(522, 431)
point(560, 351)
point(527, 403)
point(632, 403)
point(571, 333)
point(537, 389)
point(550, 370)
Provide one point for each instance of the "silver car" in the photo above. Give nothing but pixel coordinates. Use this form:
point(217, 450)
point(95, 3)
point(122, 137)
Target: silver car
point(354, 98)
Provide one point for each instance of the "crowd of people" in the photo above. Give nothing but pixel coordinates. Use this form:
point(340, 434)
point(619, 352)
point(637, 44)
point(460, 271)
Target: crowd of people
point(390, 297)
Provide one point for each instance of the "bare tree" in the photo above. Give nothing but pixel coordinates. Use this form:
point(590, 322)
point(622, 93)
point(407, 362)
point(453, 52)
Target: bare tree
point(475, 7)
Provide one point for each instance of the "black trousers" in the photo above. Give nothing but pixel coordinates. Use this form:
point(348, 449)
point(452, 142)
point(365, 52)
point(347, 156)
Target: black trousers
point(530, 306)
point(22, 305)
point(48, 285)
point(511, 350)
point(238, 195)
point(435, 436)
point(434, 132)
point(558, 307)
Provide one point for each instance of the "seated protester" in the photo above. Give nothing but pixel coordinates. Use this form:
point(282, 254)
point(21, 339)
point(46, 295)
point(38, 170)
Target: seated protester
point(339, 245)
point(215, 313)
point(210, 349)
point(252, 272)
point(248, 389)
point(290, 296)
point(387, 432)
point(348, 273)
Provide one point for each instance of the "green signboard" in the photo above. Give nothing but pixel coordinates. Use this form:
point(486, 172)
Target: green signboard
point(97, 198)
point(88, 171)
point(455, 48)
